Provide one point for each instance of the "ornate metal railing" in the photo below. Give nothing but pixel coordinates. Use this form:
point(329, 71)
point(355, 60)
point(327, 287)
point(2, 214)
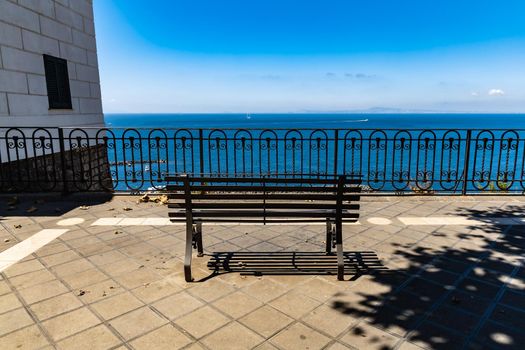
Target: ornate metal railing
point(390, 161)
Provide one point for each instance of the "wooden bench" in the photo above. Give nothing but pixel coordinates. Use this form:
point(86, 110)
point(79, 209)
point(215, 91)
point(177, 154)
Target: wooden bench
point(198, 200)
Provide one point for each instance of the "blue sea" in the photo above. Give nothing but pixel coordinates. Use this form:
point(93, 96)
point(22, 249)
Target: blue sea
point(321, 120)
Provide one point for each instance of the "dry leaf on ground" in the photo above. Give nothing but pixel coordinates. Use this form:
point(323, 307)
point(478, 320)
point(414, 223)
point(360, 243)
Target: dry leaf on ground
point(12, 201)
point(31, 210)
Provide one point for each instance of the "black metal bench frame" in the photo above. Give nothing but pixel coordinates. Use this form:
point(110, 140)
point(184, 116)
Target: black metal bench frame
point(204, 199)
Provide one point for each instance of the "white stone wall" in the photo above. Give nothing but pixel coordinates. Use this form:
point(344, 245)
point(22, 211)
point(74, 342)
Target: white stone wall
point(61, 28)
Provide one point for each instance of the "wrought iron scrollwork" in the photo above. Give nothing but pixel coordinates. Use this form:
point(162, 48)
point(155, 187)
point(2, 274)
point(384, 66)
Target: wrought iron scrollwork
point(353, 153)
point(425, 161)
point(450, 160)
point(483, 160)
point(218, 155)
point(293, 153)
point(377, 153)
point(393, 161)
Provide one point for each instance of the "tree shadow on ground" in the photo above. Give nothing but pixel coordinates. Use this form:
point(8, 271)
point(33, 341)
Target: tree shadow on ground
point(467, 292)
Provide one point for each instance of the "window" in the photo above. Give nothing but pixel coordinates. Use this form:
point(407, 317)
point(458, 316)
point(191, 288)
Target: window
point(57, 81)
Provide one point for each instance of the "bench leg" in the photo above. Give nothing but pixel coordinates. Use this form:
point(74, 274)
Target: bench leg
point(200, 249)
point(329, 232)
point(339, 248)
point(189, 251)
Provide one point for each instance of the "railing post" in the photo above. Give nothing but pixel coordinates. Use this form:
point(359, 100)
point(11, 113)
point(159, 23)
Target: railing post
point(62, 145)
point(201, 152)
point(467, 162)
point(336, 150)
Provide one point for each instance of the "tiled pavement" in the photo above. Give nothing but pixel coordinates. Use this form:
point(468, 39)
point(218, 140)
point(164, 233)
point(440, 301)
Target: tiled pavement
point(447, 285)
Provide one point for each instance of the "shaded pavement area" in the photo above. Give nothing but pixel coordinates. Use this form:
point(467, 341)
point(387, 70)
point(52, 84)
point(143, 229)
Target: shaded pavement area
point(408, 286)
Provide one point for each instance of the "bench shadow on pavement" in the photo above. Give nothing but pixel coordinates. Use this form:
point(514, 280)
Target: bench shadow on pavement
point(293, 263)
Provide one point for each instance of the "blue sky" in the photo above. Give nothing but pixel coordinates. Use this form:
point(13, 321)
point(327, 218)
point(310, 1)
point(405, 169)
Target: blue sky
point(296, 56)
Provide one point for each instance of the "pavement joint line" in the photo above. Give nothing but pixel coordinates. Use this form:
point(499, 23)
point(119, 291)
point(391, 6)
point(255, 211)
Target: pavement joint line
point(28, 246)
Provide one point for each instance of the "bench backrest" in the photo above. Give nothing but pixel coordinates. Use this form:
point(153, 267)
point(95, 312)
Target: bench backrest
point(263, 199)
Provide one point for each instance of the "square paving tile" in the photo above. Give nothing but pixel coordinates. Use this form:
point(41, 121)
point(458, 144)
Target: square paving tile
point(72, 267)
point(431, 335)
point(97, 338)
point(153, 291)
point(295, 304)
point(14, 320)
point(118, 268)
point(24, 267)
point(211, 290)
point(117, 305)
point(4, 287)
point(43, 291)
point(233, 336)
point(202, 321)
point(177, 305)
point(509, 316)
point(26, 338)
point(9, 302)
point(329, 320)
point(265, 290)
point(139, 277)
point(237, 304)
point(455, 319)
point(320, 289)
point(31, 278)
point(479, 288)
point(500, 337)
point(165, 338)
point(70, 323)
point(266, 321)
point(514, 299)
point(138, 322)
point(107, 257)
point(60, 258)
point(56, 305)
point(84, 278)
point(468, 301)
point(99, 291)
point(299, 336)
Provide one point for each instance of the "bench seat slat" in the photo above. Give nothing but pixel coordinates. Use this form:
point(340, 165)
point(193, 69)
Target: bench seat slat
point(269, 196)
point(247, 205)
point(268, 189)
point(261, 213)
point(349, 180)
point(260, 221)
